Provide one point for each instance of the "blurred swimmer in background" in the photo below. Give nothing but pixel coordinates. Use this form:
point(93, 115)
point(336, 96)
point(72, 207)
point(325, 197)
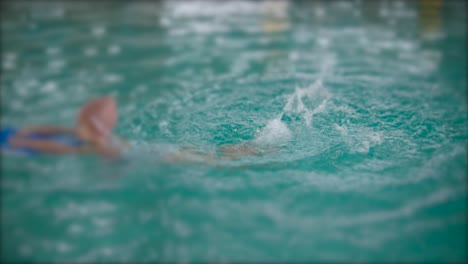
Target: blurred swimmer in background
point(92, 133)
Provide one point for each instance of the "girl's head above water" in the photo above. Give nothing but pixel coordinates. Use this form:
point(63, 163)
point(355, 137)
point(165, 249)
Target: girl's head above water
point(96, 119)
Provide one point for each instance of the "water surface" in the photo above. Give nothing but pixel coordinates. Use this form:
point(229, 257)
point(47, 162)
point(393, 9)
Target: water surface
point(365, 102)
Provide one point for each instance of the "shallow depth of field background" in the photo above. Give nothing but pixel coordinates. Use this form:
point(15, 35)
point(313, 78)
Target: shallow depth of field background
point(366, 101)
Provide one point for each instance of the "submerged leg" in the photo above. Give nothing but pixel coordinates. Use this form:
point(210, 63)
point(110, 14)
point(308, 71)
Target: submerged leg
point(229, 151)
point(190, 156)
point(238, 150)
point(245, 149)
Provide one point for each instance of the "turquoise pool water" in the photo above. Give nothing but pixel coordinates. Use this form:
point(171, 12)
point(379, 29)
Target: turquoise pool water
point(365, 103)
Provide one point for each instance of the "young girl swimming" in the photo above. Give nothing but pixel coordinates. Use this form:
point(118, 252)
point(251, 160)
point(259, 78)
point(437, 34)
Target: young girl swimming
point(91, 134)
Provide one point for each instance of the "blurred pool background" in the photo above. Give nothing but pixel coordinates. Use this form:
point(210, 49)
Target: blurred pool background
point(365, 99)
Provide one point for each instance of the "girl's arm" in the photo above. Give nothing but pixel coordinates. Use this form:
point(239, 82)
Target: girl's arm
point(47, 130)
point(48, 146)
point(41, 145)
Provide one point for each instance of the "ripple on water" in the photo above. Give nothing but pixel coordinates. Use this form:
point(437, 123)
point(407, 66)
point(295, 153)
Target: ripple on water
point(368, 126)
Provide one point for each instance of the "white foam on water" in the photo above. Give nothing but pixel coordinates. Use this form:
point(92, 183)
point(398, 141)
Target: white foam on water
point(90, 51)
point(9, 61)
point(73, 210)
point(99, 31)
point(112, 78)
point(319, 12)
point(164, 21)
point(408, 209)
point(8, 65)
point(275, 132)
point(57, 64)
point(102, 223)
point(342, 129)
point(107, 251)
point(53, 50)
point(75, 229)
point(315, 93)
point(113, 49)
point(58, 12)
point(361, 143)
point(9, 56)
point(364, 147)
point(344, 5)
point(49, 87)
point(323, 41)
point(206, 28)
point(182, 229)
point(201, 8)
point(64, 247)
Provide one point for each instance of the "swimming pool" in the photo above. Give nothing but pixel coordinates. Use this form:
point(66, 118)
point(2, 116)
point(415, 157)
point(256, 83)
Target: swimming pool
point(364, 100)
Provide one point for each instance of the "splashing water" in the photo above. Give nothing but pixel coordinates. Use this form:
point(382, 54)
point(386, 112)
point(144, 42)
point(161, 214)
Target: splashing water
point(274, 133)
point(372, 134)
point(315, 95)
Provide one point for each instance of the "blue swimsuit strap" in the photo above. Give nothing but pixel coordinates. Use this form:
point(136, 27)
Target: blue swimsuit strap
point(7, 132)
